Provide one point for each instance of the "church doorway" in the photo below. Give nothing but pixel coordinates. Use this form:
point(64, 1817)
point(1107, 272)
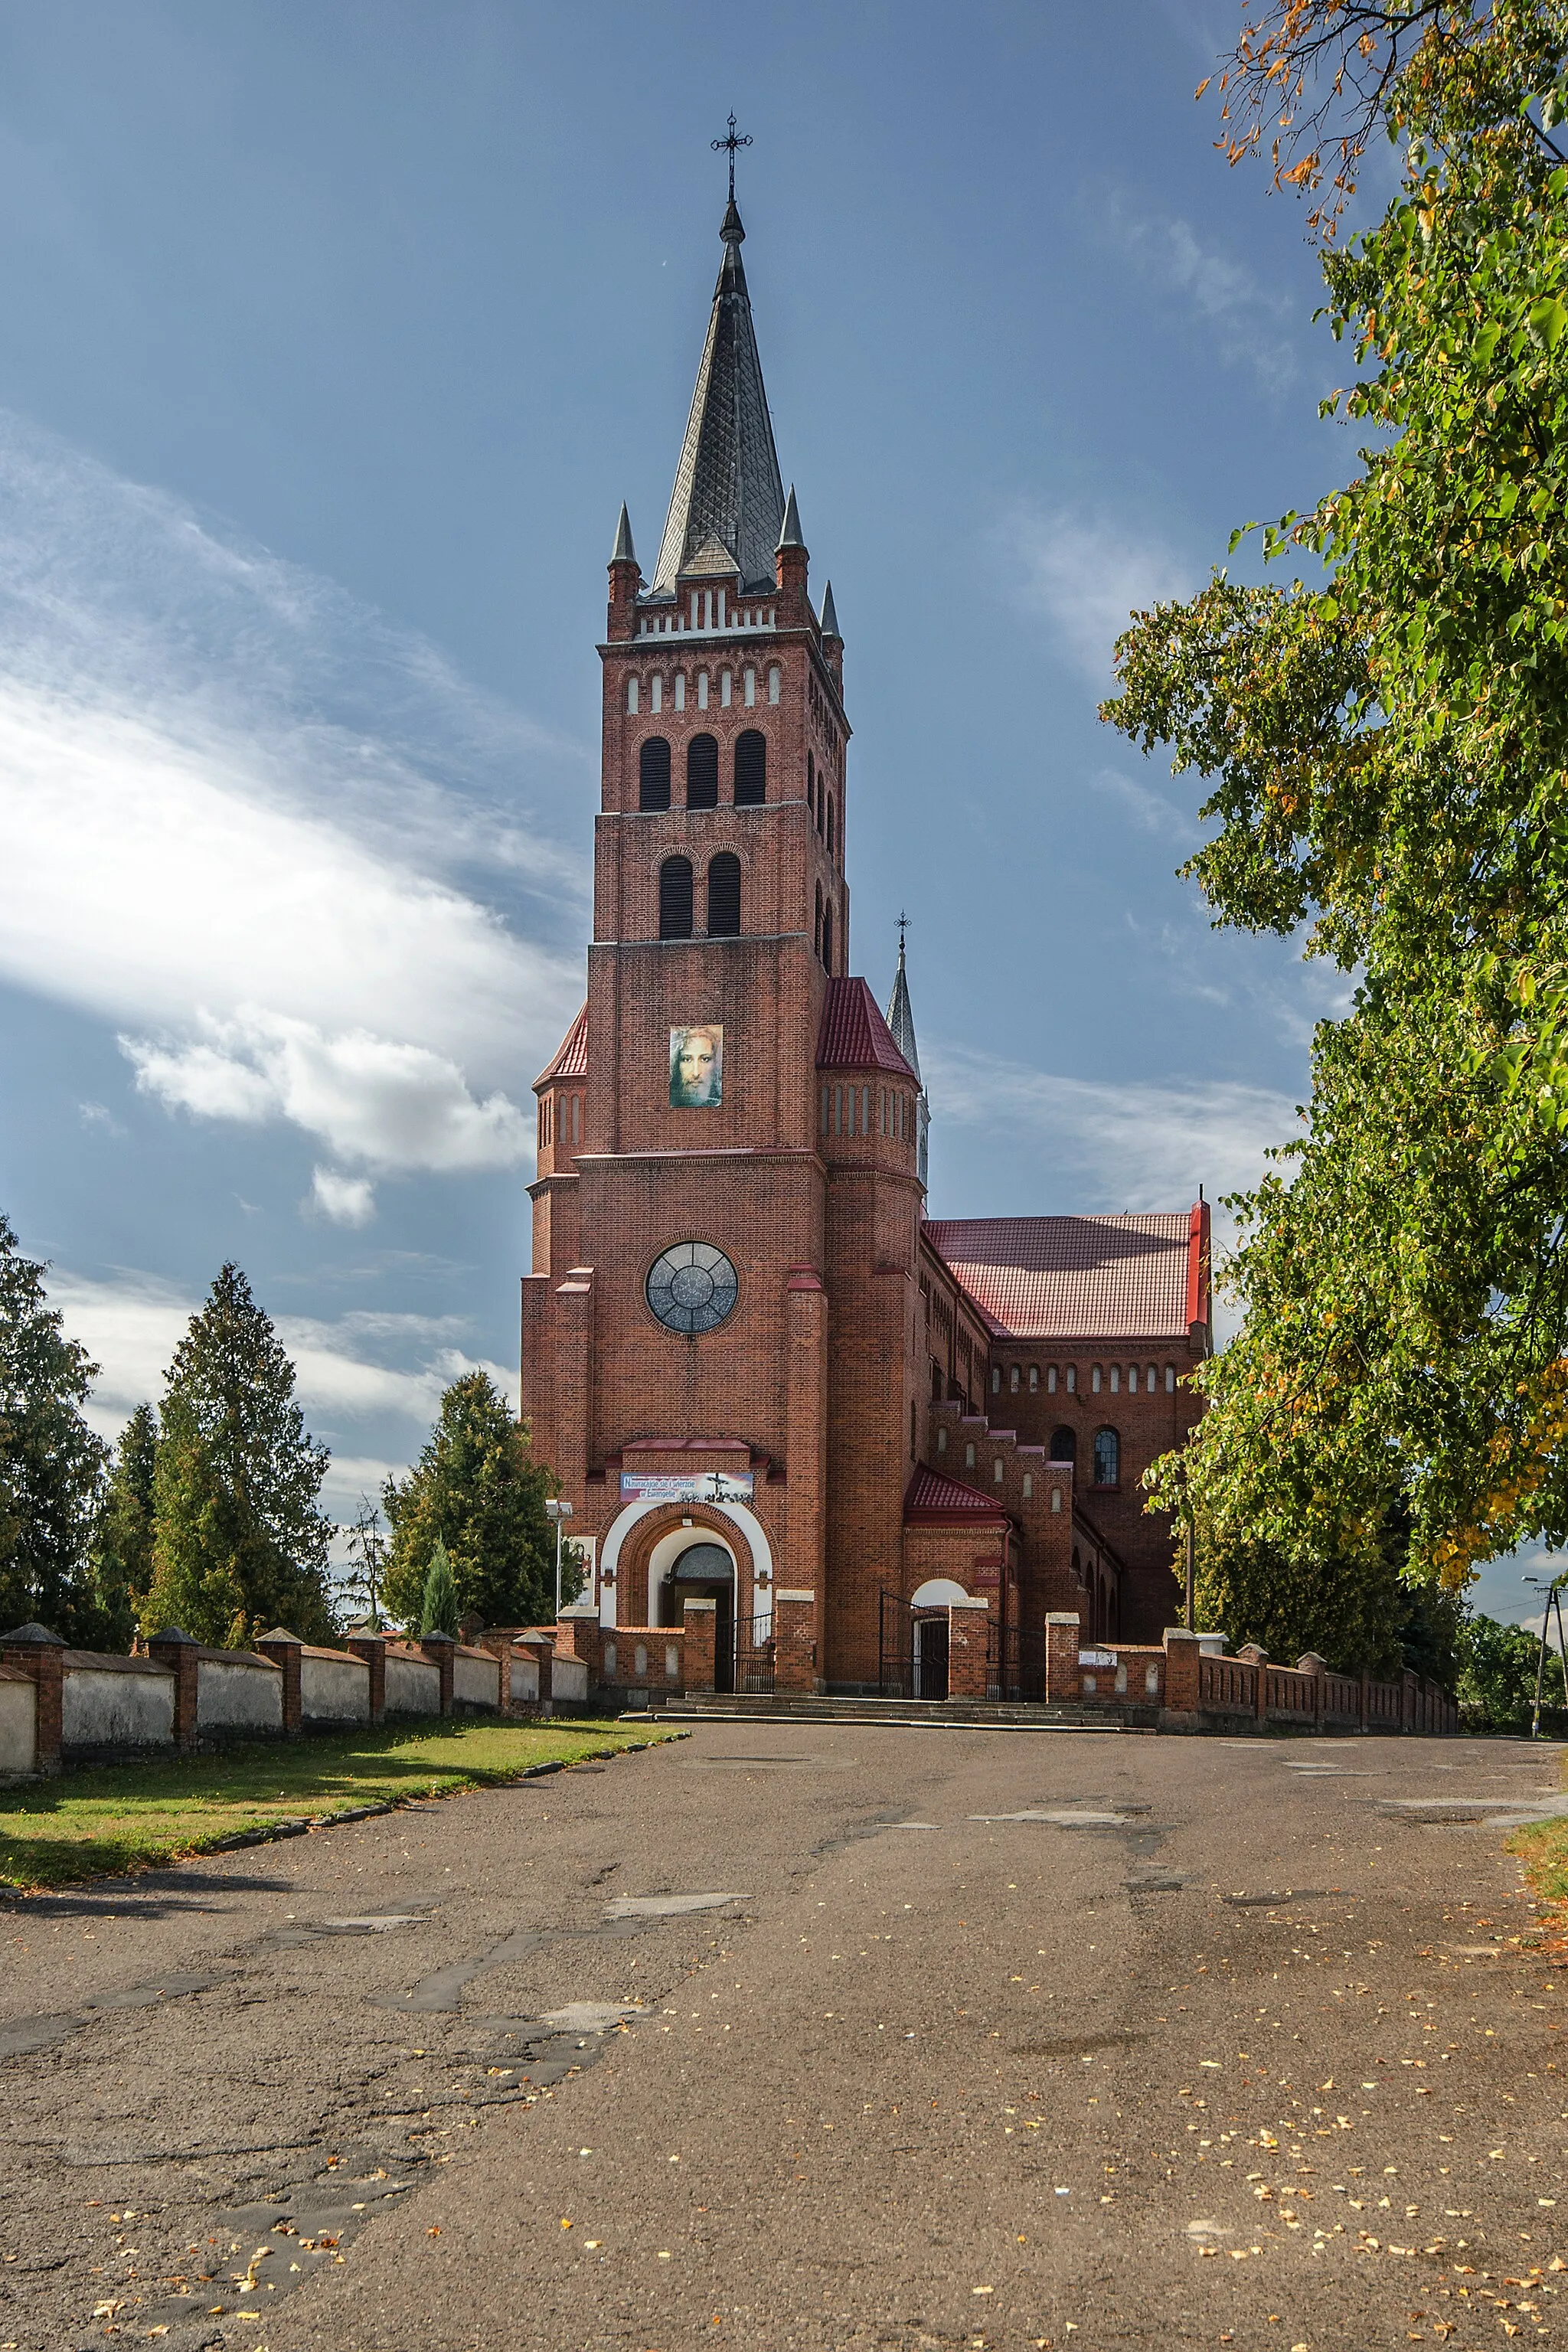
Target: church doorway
point(702, 1569)
point(931, 1656)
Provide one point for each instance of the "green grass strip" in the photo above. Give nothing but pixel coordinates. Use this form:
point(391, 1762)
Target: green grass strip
point(110, 1818)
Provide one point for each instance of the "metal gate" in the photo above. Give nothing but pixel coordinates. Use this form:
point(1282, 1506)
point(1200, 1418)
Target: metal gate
point(754, 1649)
point(1014, 1661)
point(895, 1646)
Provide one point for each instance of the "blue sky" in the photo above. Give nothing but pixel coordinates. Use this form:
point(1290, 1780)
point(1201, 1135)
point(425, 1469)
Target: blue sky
point(331, 341)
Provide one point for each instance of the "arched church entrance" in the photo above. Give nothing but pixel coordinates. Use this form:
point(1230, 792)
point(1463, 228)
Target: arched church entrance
point(693, 1563)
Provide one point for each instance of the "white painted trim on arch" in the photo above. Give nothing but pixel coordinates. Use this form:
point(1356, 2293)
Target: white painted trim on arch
point(751, 1526)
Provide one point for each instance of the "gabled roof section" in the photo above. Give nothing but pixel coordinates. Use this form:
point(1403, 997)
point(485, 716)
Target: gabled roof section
point(1113, 1277)
point(572, 1061)
point(727, 485)
point(931, 1499)
point(854, 1035)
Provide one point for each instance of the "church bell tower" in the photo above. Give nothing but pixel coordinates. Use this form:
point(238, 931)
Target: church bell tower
point(726, 1209)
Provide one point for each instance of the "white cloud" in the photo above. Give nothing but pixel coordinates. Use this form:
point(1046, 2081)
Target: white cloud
point(132, 1324)
point(388, 1104)
point(277, 841)
point(1087, 577)
point(1246, 317)
point(1149, 811)
point(346, 1200)
point(1142, 1146)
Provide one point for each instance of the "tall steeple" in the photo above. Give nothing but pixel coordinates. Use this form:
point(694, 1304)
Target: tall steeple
point(727, 485)
point(901, 1022)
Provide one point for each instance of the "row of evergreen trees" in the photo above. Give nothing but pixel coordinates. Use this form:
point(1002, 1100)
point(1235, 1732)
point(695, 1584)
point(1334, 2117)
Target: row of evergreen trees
point(207, 1512)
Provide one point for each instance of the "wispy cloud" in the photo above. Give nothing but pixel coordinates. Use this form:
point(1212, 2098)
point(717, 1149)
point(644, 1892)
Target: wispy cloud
point(1244, 317)
point(310, 871)
point(1139, 1145)
point(1086, 575)
point(359, 1368)
point(1149, 811)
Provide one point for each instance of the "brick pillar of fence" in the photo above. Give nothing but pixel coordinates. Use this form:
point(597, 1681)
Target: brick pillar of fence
point(794, 1641)
point(441, 1649)
point(1061, 1656)
point(1365, 1695)
point(41, 1656)
point(1183, 1685)
point(174, 1649)
point(1310, 1663)
point(701, 1619)
point(968, 1649)
point(372, 1648)
point(498, 1640)
point(541, 1650)
point(286, 1650)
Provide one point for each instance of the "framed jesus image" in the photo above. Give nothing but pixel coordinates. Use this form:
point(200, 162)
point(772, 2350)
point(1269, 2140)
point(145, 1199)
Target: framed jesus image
point(696, 1066)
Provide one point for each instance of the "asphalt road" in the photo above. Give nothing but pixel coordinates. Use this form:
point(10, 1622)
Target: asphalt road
point(812, 2036)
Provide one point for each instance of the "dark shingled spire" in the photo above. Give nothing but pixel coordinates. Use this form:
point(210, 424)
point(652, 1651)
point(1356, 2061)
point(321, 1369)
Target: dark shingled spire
point(901, 1022)
point(727, 485)
point(830, 628)
point(790, 535)
point(623, 550)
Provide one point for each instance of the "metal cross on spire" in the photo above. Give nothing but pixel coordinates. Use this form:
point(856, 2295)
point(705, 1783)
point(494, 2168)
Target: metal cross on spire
point(719, 146)
point(903, 927)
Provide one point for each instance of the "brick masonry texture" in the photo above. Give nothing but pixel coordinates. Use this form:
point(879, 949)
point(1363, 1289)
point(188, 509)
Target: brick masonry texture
point(854, 1354)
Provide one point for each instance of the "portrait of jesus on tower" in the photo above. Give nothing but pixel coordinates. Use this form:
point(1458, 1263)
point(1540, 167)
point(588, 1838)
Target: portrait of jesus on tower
point(697, 1068)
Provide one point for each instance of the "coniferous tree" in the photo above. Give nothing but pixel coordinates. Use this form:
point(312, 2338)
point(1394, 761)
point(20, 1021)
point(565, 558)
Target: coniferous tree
point(439, 1606)
point(51, 1463)
point(240, 1541)
point(478, 1489)
point(122, 1553)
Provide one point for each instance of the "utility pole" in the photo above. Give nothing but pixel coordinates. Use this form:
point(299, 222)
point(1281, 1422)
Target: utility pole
point(559, 1511)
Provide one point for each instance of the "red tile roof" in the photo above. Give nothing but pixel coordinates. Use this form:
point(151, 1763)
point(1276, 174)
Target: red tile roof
point(931, 1498)
point(572, 1061)
point(854, 1035)
point(1121, 1277)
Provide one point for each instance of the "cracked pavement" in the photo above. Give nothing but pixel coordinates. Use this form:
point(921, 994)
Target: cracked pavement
point(812, 2036)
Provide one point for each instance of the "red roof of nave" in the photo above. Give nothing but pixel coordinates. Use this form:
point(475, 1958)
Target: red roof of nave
point(931, 1496)
point(854, 1035)
point(571, 1060)
point(1114, 1277)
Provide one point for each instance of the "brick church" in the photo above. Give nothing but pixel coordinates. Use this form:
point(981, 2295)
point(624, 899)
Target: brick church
point(766, 1379)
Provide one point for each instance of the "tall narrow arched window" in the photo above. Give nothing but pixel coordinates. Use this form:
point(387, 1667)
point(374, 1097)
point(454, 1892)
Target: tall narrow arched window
point(830, 813)
point(703, 773)
point(828, 937)
point(724, 897)
point(653, 773)
point(751, 769)
point(816, 928)
point(1107, 1458)
point(811, 785)
point(675, 898)
point(1064, 1446)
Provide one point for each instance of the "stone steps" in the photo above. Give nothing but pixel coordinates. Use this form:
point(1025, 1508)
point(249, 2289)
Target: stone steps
point(989, 1715)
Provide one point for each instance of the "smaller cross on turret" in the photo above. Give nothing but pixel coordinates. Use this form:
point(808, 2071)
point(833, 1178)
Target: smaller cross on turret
point(719, 146)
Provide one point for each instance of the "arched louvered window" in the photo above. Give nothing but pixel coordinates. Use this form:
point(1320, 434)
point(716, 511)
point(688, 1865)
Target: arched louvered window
point(830, 824)
point(828, 937)
point(751, 769)
point(1107, 1458)
point(675, 898)
point(724, 897)
point(1064, 1446)
point(703, 773)
point(653, 773)
point(816, 928)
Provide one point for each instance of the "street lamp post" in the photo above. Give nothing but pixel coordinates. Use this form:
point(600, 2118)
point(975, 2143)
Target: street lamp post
point(559, 1511)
